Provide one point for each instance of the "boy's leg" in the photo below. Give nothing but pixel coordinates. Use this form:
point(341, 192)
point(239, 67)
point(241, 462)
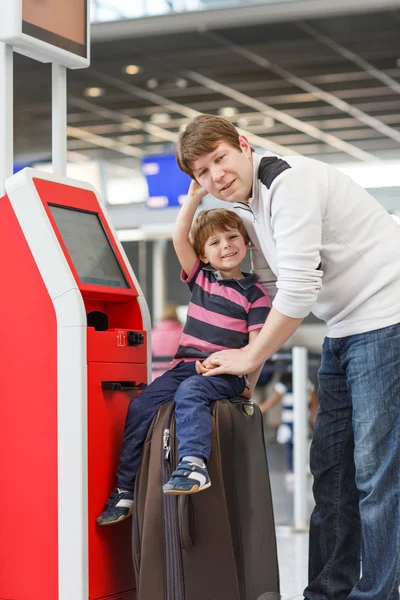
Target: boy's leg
point(193, 426)
point(141, 412)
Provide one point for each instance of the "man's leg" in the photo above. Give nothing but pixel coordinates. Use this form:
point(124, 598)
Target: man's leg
point(334, 552)
point(372, 362)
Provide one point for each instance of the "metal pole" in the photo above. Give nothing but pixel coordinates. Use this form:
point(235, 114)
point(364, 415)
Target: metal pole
point(159, 279)
point(6, 115)
point(142, 265)
point(300, 436)
point(59, 118)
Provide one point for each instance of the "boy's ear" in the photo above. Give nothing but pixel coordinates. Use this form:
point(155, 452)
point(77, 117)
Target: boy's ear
point(204, 259)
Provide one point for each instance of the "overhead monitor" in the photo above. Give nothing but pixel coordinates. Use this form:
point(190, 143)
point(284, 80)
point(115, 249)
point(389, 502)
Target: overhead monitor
point(167, 184)
point(89, 247)
point(48, 30)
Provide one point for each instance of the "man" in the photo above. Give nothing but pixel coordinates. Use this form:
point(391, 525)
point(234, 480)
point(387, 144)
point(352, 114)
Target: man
point(321, 243)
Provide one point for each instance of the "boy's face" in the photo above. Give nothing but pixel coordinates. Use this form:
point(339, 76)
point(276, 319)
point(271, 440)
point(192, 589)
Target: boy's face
point(226, 173)
point(225, 250)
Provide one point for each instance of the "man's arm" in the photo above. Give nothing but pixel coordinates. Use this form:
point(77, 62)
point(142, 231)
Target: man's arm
point(252, 378)
point(277, 329)
point(180, 236)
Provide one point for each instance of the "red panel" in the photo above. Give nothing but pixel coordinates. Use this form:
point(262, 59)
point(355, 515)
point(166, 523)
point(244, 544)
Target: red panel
point(28, 423)
point(110, 552)
point(111, 346)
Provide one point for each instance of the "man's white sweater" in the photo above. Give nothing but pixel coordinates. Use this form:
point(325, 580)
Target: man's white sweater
point(322, 244)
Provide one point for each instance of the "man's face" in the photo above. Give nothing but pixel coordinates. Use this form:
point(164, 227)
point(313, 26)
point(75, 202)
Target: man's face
point(226, 173)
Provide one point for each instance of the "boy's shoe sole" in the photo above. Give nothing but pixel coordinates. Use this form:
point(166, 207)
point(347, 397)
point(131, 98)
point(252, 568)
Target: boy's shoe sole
point(196, 488)
point(121, 518)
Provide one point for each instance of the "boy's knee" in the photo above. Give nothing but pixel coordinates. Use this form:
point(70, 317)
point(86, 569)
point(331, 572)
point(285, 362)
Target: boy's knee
point(191, 384)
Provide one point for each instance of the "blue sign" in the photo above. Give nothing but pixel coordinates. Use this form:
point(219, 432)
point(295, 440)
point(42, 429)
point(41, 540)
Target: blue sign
point(168, 185)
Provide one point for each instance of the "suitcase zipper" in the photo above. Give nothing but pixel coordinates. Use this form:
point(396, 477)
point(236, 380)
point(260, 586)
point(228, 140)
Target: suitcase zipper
point(166, 446)
point(173, 556)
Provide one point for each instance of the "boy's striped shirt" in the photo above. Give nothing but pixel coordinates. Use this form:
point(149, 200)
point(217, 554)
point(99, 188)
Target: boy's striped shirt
point(221, 312)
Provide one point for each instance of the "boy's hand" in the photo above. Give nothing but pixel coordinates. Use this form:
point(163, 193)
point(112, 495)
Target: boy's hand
point(200, 369)
point(196, 192)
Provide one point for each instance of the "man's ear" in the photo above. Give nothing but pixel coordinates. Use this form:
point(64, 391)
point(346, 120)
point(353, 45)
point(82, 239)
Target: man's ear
point(244, 144)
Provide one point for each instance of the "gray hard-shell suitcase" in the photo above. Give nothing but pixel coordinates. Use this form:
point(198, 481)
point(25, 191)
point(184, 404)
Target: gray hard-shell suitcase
point(218, 544)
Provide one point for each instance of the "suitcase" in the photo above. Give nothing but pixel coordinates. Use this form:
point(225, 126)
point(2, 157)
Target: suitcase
point(218, 544)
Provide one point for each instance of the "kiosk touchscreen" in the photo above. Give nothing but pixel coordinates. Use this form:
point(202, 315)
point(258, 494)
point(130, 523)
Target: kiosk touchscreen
point(74, 328)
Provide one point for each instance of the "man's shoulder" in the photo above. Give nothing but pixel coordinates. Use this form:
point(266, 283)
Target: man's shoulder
point(271, 167)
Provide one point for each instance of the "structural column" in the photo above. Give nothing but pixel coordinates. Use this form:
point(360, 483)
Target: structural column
point(159, 278)
point(6, 115)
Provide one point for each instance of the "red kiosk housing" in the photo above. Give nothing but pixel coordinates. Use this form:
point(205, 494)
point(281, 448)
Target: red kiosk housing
point(74, 327)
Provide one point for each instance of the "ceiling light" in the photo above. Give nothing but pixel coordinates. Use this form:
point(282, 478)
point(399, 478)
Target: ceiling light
point(132, 69)
point(228, 111)
point(152, 83)
point(160, 118)
point(181, 83)
point(268, 122)
point(243, 122)
point(94, 92)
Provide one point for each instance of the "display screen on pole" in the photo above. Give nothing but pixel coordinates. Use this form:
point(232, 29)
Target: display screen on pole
point(61, 24)
point(89, 247)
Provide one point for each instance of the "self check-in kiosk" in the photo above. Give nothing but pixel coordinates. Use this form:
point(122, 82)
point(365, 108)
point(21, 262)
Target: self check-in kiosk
point(74, 351)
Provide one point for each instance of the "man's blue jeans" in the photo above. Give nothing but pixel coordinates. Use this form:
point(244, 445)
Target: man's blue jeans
point(355, 460)
point(192, 394)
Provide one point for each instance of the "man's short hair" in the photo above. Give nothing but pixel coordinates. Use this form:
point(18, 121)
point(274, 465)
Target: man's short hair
point(215, 220)
point(201, 136)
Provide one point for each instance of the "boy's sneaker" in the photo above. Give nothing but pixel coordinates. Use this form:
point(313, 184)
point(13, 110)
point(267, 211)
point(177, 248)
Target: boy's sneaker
point(188, 478)
point(118, 507)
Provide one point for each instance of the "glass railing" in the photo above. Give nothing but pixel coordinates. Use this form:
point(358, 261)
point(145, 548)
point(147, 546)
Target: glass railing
point(114, 10)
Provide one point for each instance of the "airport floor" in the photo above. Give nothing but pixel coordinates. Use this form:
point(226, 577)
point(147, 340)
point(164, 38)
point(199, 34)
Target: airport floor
point(292, 546)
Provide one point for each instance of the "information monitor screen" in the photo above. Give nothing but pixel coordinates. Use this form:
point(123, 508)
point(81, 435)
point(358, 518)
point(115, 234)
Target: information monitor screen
point(59, 23)
point(88, 246)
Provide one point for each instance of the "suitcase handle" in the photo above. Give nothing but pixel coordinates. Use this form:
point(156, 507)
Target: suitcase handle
point(186, 522)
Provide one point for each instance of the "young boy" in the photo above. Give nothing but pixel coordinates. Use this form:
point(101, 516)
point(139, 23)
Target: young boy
point(227, 309)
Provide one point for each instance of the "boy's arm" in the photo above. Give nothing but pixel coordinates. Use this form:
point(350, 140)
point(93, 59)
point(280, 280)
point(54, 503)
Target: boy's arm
point(180, 236)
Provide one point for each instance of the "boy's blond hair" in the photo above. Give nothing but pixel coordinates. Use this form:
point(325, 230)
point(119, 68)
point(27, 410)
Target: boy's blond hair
point(209, 222)
point(201, 136)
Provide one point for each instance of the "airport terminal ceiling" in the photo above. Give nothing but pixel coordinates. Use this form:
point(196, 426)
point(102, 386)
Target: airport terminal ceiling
point(327, 88)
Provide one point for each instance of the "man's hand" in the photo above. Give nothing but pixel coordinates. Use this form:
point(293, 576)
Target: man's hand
point(232, 362)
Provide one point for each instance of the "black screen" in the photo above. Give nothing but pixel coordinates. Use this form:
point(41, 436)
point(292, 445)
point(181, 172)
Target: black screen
point(88, 247)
